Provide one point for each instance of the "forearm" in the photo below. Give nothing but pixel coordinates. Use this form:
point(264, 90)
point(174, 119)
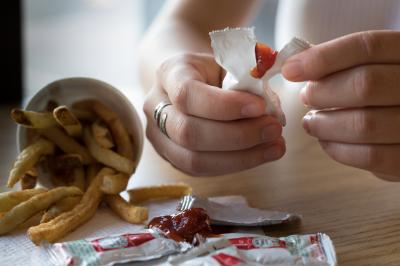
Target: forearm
point(183, 26)
point(165, 40)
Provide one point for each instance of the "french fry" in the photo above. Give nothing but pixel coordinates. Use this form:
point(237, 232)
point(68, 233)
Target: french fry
point(64, 205)
point(167, 191)
point(83, 110)
point(78, 178)
point(12, 198)
point(118, 130)
point(102, 135)
point(68, 121)
point(106, 156)
point(66, 143)
point(28, 158)
point(28, 181)
point(33, 172)
point(84, 115)
point(128, 212)
point(91, 172)
point(84, 105)
point(114, 184)
point(33, 119)
point(68, 221)
point(65, 211)
point(37, 203)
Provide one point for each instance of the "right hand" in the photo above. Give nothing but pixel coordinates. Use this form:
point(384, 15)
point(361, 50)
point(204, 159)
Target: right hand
point(211, 131)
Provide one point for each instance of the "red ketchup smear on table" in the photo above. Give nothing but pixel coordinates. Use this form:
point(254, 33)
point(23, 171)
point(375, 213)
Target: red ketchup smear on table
point(184, 225)
point(265, 57)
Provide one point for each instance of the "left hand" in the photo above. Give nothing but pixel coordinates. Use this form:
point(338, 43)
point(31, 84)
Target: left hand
point(354, 89)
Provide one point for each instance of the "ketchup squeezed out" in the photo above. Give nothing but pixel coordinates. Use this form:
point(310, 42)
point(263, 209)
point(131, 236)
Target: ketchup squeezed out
point(265, 58)
point(183, 226)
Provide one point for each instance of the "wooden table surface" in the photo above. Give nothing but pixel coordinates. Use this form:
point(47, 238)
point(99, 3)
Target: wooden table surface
point(360, 212)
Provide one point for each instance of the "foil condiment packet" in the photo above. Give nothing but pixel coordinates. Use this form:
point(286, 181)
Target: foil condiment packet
point(238, 214)
point(252, 249)
point(234, 51)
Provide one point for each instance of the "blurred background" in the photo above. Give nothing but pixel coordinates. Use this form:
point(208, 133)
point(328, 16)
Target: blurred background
point(53, 39)
point(46, 40)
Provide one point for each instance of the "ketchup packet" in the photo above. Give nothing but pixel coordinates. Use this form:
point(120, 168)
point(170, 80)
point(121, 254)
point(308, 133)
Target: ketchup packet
point(228, 256)
point(250, 249)
point(236, 213)
point(140, 246)
point(250, 65)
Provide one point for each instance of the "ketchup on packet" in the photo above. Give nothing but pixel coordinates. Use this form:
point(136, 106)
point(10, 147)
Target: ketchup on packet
point(183, 226)
point(265, 58)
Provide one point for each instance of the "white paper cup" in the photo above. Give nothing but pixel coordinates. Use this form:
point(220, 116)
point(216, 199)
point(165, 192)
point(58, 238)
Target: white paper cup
point(69, 90)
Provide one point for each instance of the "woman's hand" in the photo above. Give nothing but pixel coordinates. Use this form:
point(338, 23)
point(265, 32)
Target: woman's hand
point(354, 88)
point(211, 131)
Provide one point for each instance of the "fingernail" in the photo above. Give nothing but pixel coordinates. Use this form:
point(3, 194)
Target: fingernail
point(303, 97)
point(270, 132)
point(274, 152)
point(293, 70)
point(251, 110)
point(306, 121)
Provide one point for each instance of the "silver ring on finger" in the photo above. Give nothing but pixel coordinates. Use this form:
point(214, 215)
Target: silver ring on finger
point(160, 117)
point(163, 122)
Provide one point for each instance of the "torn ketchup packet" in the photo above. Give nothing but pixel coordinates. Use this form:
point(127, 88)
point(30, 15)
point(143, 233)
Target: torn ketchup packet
point(236, 213)
point(250, 65)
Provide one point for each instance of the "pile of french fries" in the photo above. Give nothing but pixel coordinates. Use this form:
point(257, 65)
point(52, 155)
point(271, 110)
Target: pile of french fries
point(87, 153)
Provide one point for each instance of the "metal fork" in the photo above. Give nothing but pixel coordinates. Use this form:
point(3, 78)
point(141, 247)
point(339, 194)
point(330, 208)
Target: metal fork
point(186, 203)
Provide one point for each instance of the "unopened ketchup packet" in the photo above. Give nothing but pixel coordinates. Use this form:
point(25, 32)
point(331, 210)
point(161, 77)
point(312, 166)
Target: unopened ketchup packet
point(251, 249)
point(131, 247)
point(228, 256)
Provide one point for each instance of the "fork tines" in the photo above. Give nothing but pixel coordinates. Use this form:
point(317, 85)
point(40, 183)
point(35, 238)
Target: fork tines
point(186, 202)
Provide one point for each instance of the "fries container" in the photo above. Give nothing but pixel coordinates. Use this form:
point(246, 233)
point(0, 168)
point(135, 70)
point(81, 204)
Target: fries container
point(69, 90)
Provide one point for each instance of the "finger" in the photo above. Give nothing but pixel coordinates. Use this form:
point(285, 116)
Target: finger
point(188, 90)
point(375, 158)
point(370, 85)
point(367, 125)
point(342, 53)
point(213, 163)
point(200, 134)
